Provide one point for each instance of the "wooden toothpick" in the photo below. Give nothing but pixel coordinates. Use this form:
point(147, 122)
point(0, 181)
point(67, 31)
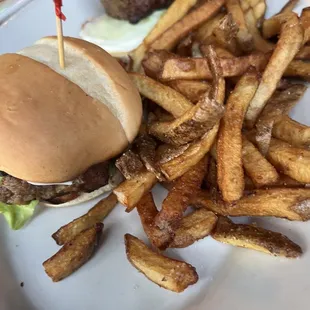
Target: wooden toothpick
point(59, 18)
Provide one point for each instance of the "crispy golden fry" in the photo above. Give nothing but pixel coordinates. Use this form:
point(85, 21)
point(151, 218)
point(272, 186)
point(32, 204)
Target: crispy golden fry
point(95, 215)
point(192, 90)
point(256, 166)
point(191, 125)
point(147, 212)
point(230, 173)
point(289, 6)
point(280, 103)
point(207, 28)
point(184, 188)
point(154, 62)
point(166, 272)
point(73, 254)
point(255, 238)
point(220, 51)
point(252, 21)
point(177, 10)
point(244, 37)
point(305, 21)
point(289, 203)
point(198, 68)
point(129, 164)
point(292, 161)
point(188, 23)
point(298, 69)
point(164, 96)
point(166, 152)
point(258, 7)
point(292, 132)
point(304, 53)
point(197, 150)
point(272, 26)
point(131, 191)
point(225, 34)
point(289, 43)
point(193, 227)
point(146, 147)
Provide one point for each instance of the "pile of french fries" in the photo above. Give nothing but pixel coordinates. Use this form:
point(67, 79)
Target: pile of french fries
point(214, 76)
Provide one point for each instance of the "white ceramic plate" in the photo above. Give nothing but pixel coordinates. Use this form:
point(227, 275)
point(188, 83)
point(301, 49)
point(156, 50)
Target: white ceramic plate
point(230, 278)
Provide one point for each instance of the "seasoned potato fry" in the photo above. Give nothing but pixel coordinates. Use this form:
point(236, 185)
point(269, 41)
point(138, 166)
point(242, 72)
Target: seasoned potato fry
point(192, 90)
point(191, 125)
point(289, 43)
point(193, 227)
point(129, 164)
point(255, 238)
point(230, 173)
point(188, 23)
point(258, 8)
point(73, 254)
point(304, 53)
point(292, 161)
point(244, 37)
point(220, 51)
point(147, 212)
point(298, 69)
point(166, 272)
point(175, 12)
point(289, 203)
point(292, 132)
point(256, 166)
point(184, 188)
point(280, 103)
point(131, 191)
point(197, 150)
point(198, 68)
point(305, 21)
point(95, 215)
point(289, 6)
point(207, 28)
point(252, 21)
point(272, 26)
point(164, 96)
point(225, 34)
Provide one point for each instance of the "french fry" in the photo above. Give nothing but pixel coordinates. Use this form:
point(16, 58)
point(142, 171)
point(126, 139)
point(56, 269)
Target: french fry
point(206, 30)
point(287, 203)
point(279, 104)
point(188, 23)
point(166, 272)
point(298, 69)
point(256, 166)
point(131, 191)
point(244, 37)
point(211, 176)
point(258, 8)
point(164, 96)
point(289, 6)
point(175, 12)
point(272, 26)
point(191, 125)
point(95, 215)
point(220, 51)
point(286, 181)
point(230, 173)
point(292, 132)
point(304, 53)
point(255, 238)
point(198, 68)
point(192, 90)
point(197, 150)
point(225, 34)
point(305, 21)
point(292, 161)
point(184, 188)
point(252, 21)
point(289, 43)
point(147, 212)
point(73, 254)
point(193, 227)
point(129, 164)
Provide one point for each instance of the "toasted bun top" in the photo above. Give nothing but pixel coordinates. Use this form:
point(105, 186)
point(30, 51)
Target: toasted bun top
point(53, 126)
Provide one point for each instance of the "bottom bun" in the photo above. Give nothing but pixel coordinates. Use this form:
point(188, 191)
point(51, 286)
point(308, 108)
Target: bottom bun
point(114, 180)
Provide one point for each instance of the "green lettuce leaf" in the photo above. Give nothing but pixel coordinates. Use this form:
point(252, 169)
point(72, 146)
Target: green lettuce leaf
point(17, 215)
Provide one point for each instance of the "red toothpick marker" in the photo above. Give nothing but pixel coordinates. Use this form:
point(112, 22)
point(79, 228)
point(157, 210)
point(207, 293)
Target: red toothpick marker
point(59, 18)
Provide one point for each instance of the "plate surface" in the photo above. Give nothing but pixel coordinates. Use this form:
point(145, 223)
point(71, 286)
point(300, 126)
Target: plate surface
point(230, 278)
